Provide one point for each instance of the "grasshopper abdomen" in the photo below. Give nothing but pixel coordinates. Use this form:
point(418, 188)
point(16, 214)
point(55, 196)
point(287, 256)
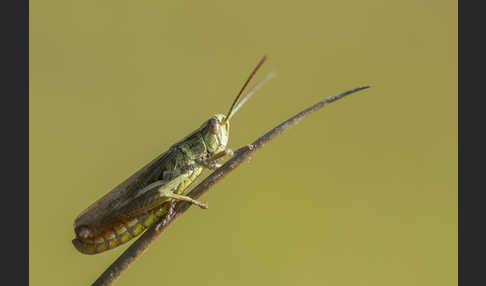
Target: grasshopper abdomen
point(118, 234)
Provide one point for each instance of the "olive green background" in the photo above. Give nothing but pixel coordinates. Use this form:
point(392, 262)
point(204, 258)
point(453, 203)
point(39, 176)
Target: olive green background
point(363, 192)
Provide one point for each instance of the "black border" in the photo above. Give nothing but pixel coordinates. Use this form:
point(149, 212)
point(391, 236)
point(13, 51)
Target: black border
point(15, 139)
point(471, 205)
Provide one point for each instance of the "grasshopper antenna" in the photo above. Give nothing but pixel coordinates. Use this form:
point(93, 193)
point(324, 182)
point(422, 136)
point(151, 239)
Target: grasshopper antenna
point(251, 92)
point(231, 110)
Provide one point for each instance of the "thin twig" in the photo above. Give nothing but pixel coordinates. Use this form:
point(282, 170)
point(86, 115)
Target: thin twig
point(241, 155)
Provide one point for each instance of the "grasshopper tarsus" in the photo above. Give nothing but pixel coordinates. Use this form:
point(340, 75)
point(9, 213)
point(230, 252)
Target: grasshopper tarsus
point(204, 206)
point(168, 216)
point(248, 147)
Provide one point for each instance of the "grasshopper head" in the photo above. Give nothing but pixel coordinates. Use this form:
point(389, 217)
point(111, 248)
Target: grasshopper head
point(216, 133)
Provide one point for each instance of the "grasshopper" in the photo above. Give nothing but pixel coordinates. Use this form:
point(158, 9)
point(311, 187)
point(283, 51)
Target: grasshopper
point(148, 195)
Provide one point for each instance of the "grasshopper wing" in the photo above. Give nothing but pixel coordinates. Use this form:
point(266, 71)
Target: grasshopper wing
point(131, 196)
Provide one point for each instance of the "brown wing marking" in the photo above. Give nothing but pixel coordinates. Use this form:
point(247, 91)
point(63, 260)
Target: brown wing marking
point(96, 216)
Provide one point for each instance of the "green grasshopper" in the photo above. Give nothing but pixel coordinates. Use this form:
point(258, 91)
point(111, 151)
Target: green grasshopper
point(147, 196)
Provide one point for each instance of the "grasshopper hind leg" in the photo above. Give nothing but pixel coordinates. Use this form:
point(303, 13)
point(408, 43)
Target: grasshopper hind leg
point(170, 211)
point(172, 195)
point(183, 185)
point(168, 216)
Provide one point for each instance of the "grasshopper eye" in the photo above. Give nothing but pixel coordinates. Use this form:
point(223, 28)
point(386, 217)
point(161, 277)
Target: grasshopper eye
point(213, 125)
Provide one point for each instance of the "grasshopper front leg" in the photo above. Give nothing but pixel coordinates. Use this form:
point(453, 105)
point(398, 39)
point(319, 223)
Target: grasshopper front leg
point(211, 163)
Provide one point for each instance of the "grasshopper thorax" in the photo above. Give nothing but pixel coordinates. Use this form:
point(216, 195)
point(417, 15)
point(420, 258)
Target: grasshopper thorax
point(216, 133)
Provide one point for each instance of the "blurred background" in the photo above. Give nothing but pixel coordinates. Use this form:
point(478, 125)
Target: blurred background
point(363, 192)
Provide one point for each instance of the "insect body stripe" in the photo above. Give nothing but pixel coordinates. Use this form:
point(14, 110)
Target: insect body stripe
point(106, 240)
point(129, 229)
point(117, 234)
point(126, 230)
point(120, 234)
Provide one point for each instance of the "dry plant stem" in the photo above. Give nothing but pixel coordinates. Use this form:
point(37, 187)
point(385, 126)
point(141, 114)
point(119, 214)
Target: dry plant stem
point(241, 155)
